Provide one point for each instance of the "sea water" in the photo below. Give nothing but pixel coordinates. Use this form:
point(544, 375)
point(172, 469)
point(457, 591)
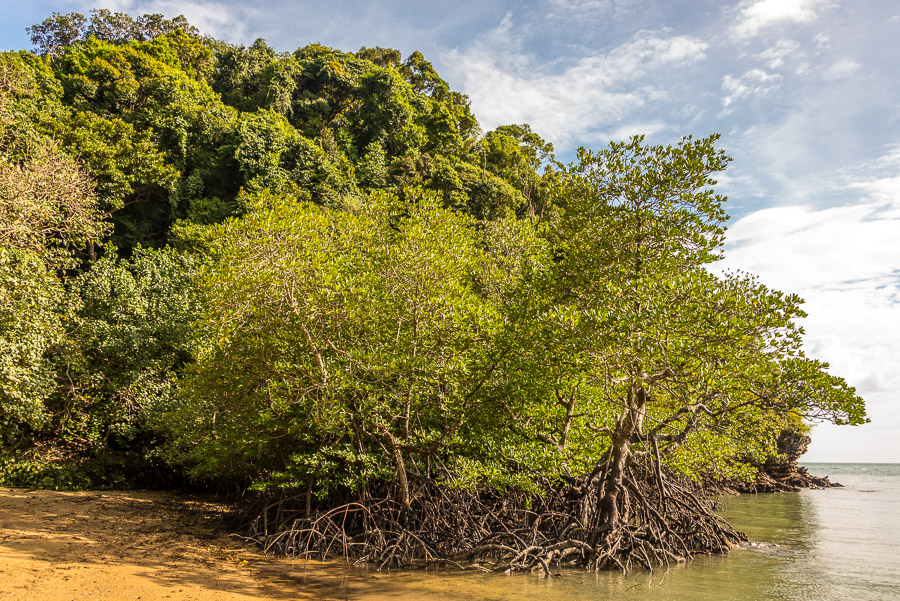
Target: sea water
point(838, 544)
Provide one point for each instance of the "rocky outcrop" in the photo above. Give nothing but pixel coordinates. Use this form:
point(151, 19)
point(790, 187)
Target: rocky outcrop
point(783, 475)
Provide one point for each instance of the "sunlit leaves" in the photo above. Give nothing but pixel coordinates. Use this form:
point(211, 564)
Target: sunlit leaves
point(329, 329)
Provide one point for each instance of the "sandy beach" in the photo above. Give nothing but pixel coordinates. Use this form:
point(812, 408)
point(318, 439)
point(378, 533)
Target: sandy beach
point(155, 546)
point(124, 545)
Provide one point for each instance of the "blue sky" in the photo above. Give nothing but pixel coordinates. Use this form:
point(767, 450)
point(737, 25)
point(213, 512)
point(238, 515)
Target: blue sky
point(804, 92)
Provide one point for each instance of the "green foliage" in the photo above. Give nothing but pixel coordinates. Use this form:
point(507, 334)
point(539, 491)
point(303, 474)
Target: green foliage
point(364, 287)
point(132, 178)
point(129, 337)
point(146, 84)
point(47, 469)
point(518, 155)
point(264, 137)
point(58, 32)
point(47, 209)
point(30, 95)
point(30, 323)
point(382, 57)
point(47, 206)
point(484, 194)
point(372, 169)
point(386, 114)
point(331, 335)
point(87, 373)
point(273, 155)
point(149, 130)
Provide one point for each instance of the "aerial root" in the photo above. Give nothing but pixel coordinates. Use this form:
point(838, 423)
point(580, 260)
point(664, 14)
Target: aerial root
point(491, 532)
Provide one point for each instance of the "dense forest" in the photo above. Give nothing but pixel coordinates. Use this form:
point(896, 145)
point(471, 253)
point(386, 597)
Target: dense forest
point(311, 280)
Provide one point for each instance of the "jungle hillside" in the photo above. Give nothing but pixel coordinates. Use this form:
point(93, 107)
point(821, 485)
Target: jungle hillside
point(311, 282)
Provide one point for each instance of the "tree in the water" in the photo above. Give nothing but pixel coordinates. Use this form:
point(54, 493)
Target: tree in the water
point(677, 367)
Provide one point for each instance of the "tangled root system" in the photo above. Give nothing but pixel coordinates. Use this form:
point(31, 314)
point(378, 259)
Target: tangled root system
point(656, 524)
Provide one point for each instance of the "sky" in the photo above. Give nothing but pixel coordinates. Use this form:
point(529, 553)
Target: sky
point(805, 94)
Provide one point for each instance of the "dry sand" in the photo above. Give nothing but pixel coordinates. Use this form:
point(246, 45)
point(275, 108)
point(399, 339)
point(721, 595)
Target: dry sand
point(120, 545)
point(86, 546)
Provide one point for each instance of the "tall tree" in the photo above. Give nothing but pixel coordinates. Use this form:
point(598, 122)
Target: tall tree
point(673, 350)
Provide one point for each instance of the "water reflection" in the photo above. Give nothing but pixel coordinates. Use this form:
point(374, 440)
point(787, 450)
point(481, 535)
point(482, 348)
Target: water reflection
point(786, 519)
point(837, 544)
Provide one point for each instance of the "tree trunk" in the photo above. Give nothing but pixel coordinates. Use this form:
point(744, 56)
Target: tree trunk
point(630, 423)
point(401, 474)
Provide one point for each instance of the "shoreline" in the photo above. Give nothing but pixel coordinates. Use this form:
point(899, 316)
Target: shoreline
point(154, 545)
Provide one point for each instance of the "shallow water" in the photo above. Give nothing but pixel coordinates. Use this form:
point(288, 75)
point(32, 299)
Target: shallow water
point(821, 545)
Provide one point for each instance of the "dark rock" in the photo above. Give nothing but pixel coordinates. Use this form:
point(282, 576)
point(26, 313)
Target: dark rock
point(782, 474)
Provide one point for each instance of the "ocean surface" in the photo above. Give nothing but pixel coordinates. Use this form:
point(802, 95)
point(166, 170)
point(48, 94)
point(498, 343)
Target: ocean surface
point(839, 544)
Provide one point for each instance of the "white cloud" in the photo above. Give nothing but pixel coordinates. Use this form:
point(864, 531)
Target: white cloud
point(581, 6)
point(799, 136)
point(837, 249)
point(845, 261)
point(755, 16)
point(593, 9)
point(777, 54)
point(841, 69)
point(644, 128)
point(754, 82)
point(594, 92)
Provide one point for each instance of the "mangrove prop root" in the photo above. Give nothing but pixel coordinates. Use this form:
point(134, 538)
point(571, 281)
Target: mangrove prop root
point(487, 531)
